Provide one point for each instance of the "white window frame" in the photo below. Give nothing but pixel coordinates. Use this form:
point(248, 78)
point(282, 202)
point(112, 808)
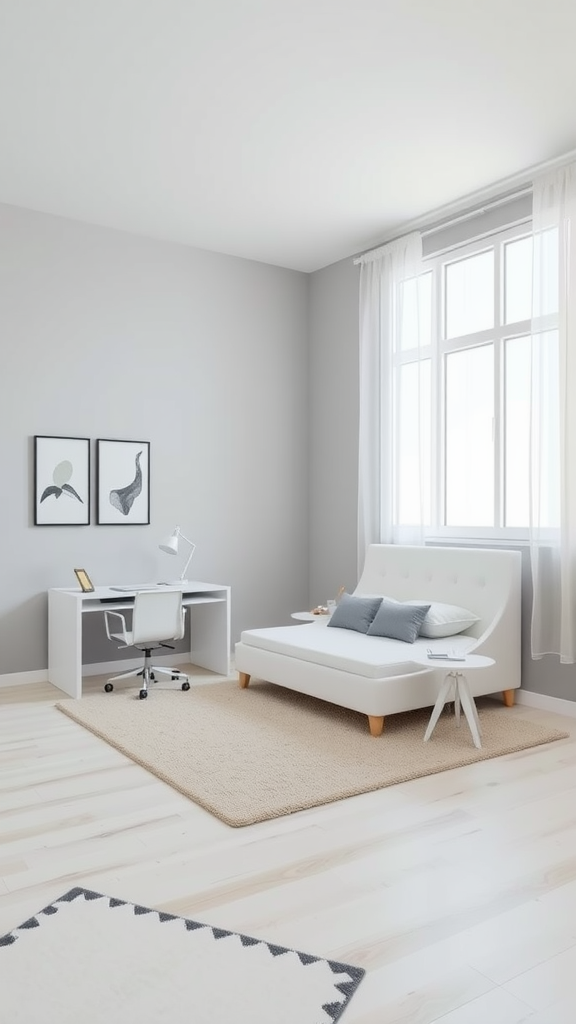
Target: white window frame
point(439, 348)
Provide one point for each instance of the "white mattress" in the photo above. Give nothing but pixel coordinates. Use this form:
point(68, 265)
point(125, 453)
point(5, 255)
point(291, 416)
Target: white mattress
point(374, 657)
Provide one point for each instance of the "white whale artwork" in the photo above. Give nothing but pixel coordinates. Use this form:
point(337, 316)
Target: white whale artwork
point(123, 498)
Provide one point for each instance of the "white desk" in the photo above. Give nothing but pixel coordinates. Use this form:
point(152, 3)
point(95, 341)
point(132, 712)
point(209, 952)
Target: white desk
point(209, 628)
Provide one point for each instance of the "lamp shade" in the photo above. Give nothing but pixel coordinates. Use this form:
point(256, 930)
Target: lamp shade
point(170, 543)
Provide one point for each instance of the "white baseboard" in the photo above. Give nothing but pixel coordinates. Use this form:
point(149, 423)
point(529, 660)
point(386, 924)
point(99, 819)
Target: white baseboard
point(101, 668)
point(546, 703)
point(21, 678)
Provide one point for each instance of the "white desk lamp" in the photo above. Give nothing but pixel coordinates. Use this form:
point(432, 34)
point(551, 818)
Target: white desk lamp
point(171, 544)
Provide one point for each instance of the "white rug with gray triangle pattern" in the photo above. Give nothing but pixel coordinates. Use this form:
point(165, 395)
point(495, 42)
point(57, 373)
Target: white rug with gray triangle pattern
point(94, 959)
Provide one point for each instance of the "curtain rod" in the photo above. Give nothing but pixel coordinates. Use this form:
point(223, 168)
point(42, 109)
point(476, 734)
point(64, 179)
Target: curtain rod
point(476, 211)
point(475, 203)
point(448, 222)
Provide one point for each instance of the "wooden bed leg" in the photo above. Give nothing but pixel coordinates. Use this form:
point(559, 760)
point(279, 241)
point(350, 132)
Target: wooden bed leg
point(508, 698)
point(376, 723)
point(243, 679)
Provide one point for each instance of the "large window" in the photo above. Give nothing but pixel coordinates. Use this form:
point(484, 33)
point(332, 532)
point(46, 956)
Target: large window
point(463, 357)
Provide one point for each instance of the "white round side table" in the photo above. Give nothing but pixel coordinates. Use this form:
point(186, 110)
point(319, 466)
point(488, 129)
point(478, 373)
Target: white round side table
point(307, 616)
point(455, 687)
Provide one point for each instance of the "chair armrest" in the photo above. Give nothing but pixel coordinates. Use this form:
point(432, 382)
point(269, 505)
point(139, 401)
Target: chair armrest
point(116, 615)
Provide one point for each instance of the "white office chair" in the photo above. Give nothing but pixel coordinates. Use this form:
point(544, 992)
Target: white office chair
point(158, 616)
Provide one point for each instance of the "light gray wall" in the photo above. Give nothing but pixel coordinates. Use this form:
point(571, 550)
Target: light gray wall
point(334, 463)
point(107, 335)
point(333, 440)
point(253, 431)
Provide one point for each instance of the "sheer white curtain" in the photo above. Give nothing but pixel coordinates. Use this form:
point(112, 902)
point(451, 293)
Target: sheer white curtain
point(389, 312)
point(553, 416)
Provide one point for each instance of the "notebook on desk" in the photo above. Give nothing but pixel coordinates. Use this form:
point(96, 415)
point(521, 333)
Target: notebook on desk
point(140, 586)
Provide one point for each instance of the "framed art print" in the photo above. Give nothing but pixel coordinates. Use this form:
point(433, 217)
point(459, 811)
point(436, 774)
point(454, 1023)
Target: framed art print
point(61, 481)
point(122, 482)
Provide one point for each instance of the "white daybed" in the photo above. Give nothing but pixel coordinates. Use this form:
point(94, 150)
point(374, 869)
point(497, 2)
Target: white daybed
point(379, 676)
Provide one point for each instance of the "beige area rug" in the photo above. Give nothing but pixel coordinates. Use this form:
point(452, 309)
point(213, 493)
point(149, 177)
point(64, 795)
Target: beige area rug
point(249, 755)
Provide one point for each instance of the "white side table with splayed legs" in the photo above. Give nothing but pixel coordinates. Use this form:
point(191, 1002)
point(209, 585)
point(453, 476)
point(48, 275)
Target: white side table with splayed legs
point(455, 688)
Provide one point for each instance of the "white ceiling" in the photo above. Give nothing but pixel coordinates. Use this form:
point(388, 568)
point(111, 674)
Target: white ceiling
point(295, 132)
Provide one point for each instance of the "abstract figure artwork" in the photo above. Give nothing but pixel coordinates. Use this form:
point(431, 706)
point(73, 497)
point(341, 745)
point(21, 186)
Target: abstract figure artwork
point(123, 475)
point(61, 481)
point(61, 475)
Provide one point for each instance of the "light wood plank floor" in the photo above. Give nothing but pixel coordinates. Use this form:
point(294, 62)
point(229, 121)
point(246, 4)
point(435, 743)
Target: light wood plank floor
point(456, 892)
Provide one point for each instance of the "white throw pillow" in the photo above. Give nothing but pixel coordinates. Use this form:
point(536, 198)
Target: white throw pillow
point(445, 619)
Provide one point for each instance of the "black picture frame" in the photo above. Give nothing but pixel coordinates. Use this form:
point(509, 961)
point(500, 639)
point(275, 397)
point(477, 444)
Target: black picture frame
point(84, 580)
point(61, 480)
point(122, 482)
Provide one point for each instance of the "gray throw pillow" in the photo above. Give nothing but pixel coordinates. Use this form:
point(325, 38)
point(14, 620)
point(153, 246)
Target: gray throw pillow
point(354, 612)
point(398, 621)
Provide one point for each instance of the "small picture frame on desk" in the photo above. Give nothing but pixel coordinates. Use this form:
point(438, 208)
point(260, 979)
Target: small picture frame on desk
point(122, 482)
point(84, 580)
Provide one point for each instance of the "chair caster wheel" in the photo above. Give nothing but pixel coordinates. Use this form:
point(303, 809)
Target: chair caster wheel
point(186, 686)
point(108, 687)
point(152, 677)
point(143, 694)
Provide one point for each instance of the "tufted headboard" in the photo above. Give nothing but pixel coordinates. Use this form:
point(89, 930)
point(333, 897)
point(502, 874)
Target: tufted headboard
point(484, 580)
